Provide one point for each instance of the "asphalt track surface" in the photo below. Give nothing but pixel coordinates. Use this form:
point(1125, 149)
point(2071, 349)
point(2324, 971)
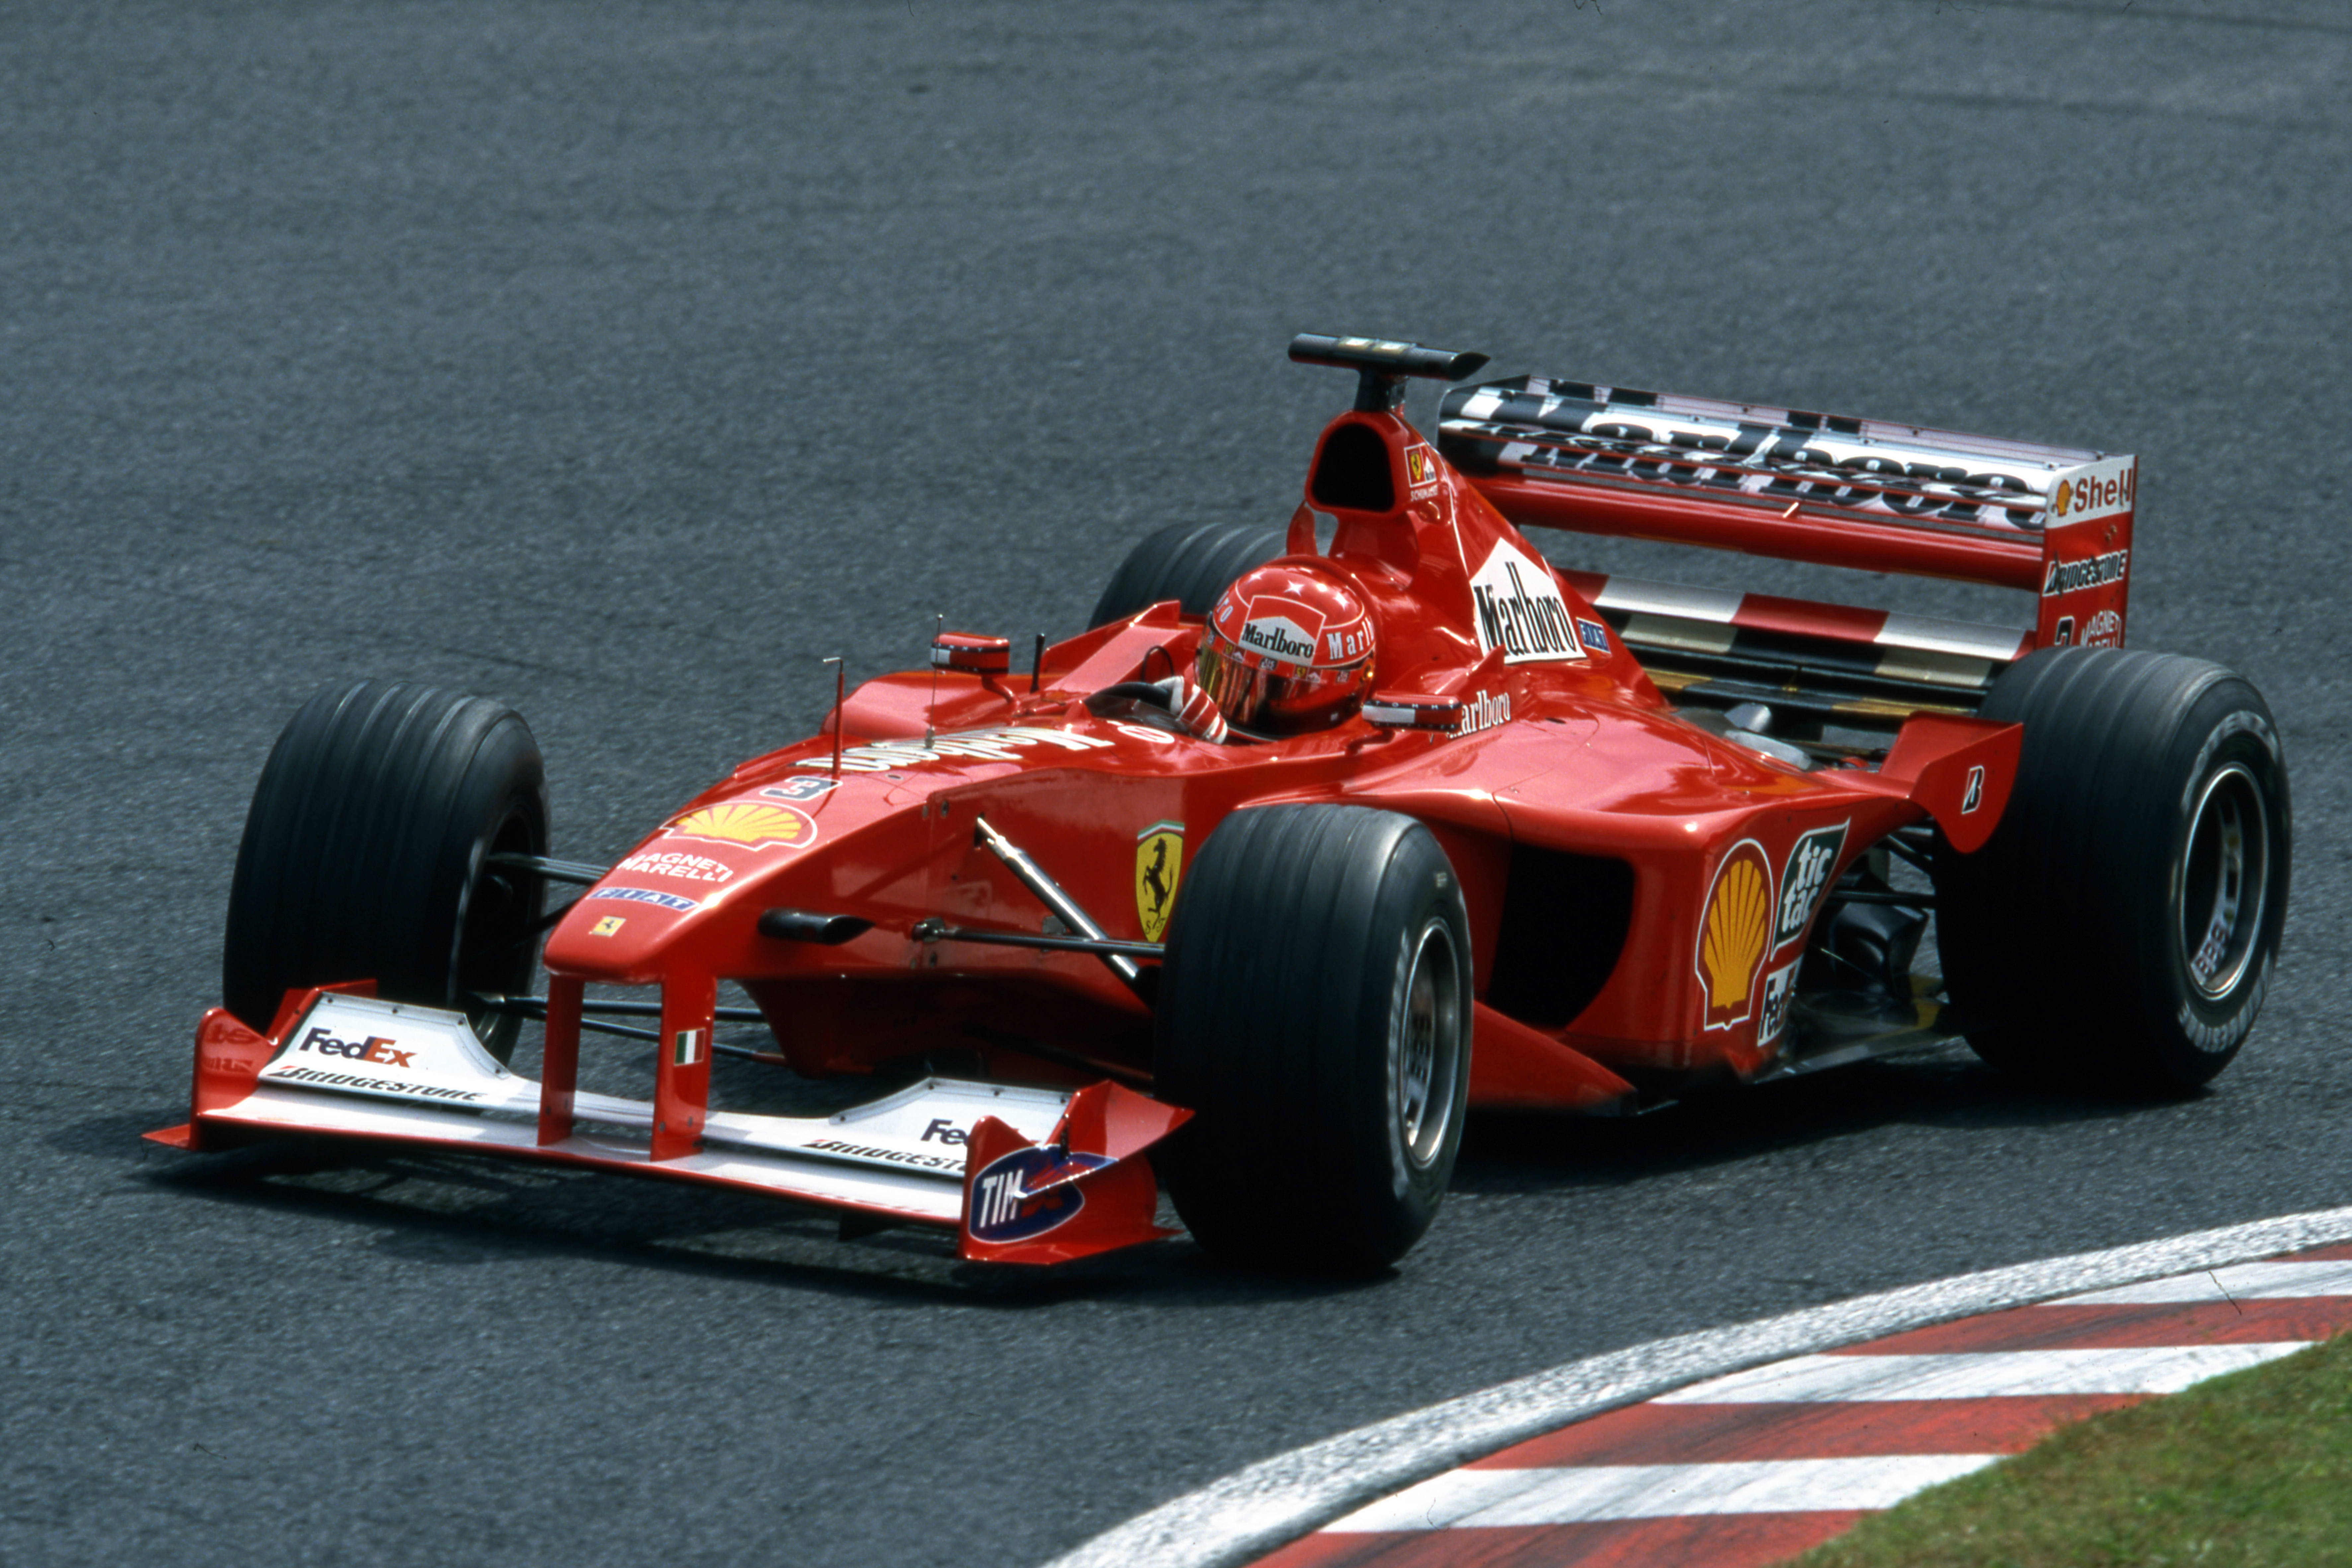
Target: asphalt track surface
point(623, 361)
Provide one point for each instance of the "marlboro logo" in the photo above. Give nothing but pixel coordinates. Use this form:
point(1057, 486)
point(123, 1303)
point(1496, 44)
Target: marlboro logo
point(1520, 611)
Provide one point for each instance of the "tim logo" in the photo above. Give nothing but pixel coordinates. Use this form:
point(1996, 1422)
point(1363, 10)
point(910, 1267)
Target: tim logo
point(1007, 1204)
point(1973, 796)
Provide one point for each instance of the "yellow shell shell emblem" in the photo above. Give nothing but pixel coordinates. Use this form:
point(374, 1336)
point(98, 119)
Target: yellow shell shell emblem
point(754, 825)
point(1158, 862)
point(1734, 933)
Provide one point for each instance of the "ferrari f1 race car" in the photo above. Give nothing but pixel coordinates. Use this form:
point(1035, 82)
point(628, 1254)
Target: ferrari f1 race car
point(1317, 838)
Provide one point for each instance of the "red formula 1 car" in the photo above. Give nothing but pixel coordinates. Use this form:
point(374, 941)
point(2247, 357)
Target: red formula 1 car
point(1280, 868)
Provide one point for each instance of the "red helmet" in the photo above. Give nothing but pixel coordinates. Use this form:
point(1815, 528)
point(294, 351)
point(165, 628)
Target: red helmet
point(1289, 649)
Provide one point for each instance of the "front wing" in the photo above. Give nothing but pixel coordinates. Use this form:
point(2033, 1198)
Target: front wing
point(1022, 1175)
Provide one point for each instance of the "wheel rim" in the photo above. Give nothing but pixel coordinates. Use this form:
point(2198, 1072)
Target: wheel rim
point(2225, 881)
point(1429, 1054)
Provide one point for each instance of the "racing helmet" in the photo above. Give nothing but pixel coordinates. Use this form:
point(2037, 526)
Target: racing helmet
point(1288, 650)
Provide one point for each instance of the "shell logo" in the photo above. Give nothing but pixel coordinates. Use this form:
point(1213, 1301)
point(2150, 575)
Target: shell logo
point(1734, 933)
point(753, 825)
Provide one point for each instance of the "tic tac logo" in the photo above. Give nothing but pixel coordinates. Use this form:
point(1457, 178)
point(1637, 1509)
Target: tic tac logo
point(376, 1048)
point(1734, 933)
point(1811, 860)
point(753, 825)
point(1520, 611)
point(1007, 1203)
point(1158, 864)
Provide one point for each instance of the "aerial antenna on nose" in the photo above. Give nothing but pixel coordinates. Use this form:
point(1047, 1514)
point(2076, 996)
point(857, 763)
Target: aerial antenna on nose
point(840, 690)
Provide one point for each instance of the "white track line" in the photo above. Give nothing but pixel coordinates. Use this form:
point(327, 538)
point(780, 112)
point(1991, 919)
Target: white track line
point(1982, 1375)
point(1585, 1492)
point(2246, 1282)
point(1232, 1522)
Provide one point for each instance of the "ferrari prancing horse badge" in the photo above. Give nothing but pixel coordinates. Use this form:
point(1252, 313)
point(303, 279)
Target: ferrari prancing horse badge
point(1158, 862)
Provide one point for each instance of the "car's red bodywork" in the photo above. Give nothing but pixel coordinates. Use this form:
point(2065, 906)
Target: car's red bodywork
point(1640, 886)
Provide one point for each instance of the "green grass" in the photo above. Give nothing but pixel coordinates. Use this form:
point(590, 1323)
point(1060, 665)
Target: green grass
point(2254, 1468)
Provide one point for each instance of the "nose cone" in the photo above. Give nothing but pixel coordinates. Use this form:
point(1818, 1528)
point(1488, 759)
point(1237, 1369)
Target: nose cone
point(699, 870)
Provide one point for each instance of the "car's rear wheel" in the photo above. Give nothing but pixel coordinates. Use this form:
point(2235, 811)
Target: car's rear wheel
point(1190, 563)
point(365, 856)
point(2120, 925)
point(1315, 1015)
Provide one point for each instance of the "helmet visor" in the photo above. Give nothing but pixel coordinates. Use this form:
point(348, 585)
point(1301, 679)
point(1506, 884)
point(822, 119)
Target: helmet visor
point(1260, 701)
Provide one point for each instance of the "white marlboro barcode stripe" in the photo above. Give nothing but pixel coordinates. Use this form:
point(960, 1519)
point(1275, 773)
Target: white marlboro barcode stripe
point(1492, 1499)
point(688, 1049)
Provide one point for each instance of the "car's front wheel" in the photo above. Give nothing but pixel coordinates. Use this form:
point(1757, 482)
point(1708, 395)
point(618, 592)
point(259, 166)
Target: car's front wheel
point(366, 850)
point(1315, 1014)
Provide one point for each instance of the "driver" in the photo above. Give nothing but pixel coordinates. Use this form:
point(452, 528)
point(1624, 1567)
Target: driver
point(1288, 650)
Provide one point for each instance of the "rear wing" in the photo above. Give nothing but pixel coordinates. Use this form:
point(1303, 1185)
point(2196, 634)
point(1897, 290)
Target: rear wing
point(2054, 522)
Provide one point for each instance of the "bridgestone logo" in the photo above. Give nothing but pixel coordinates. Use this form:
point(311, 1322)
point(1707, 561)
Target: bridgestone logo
point(894, 1156)
point(372, 1085)
point(2073, 576)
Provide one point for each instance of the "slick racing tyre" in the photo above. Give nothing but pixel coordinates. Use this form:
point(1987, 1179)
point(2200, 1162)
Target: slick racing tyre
point(1315, 1015)
point(1191, 563)
point(364, 849)
point(2120, 926)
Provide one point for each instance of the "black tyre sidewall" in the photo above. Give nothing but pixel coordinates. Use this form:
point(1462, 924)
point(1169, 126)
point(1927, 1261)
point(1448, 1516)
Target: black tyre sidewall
point(1288, 951)
point(2196, 1036)
point(364, 852)
point(2064, 930)
point(1417, 887)
point(1192, 563)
